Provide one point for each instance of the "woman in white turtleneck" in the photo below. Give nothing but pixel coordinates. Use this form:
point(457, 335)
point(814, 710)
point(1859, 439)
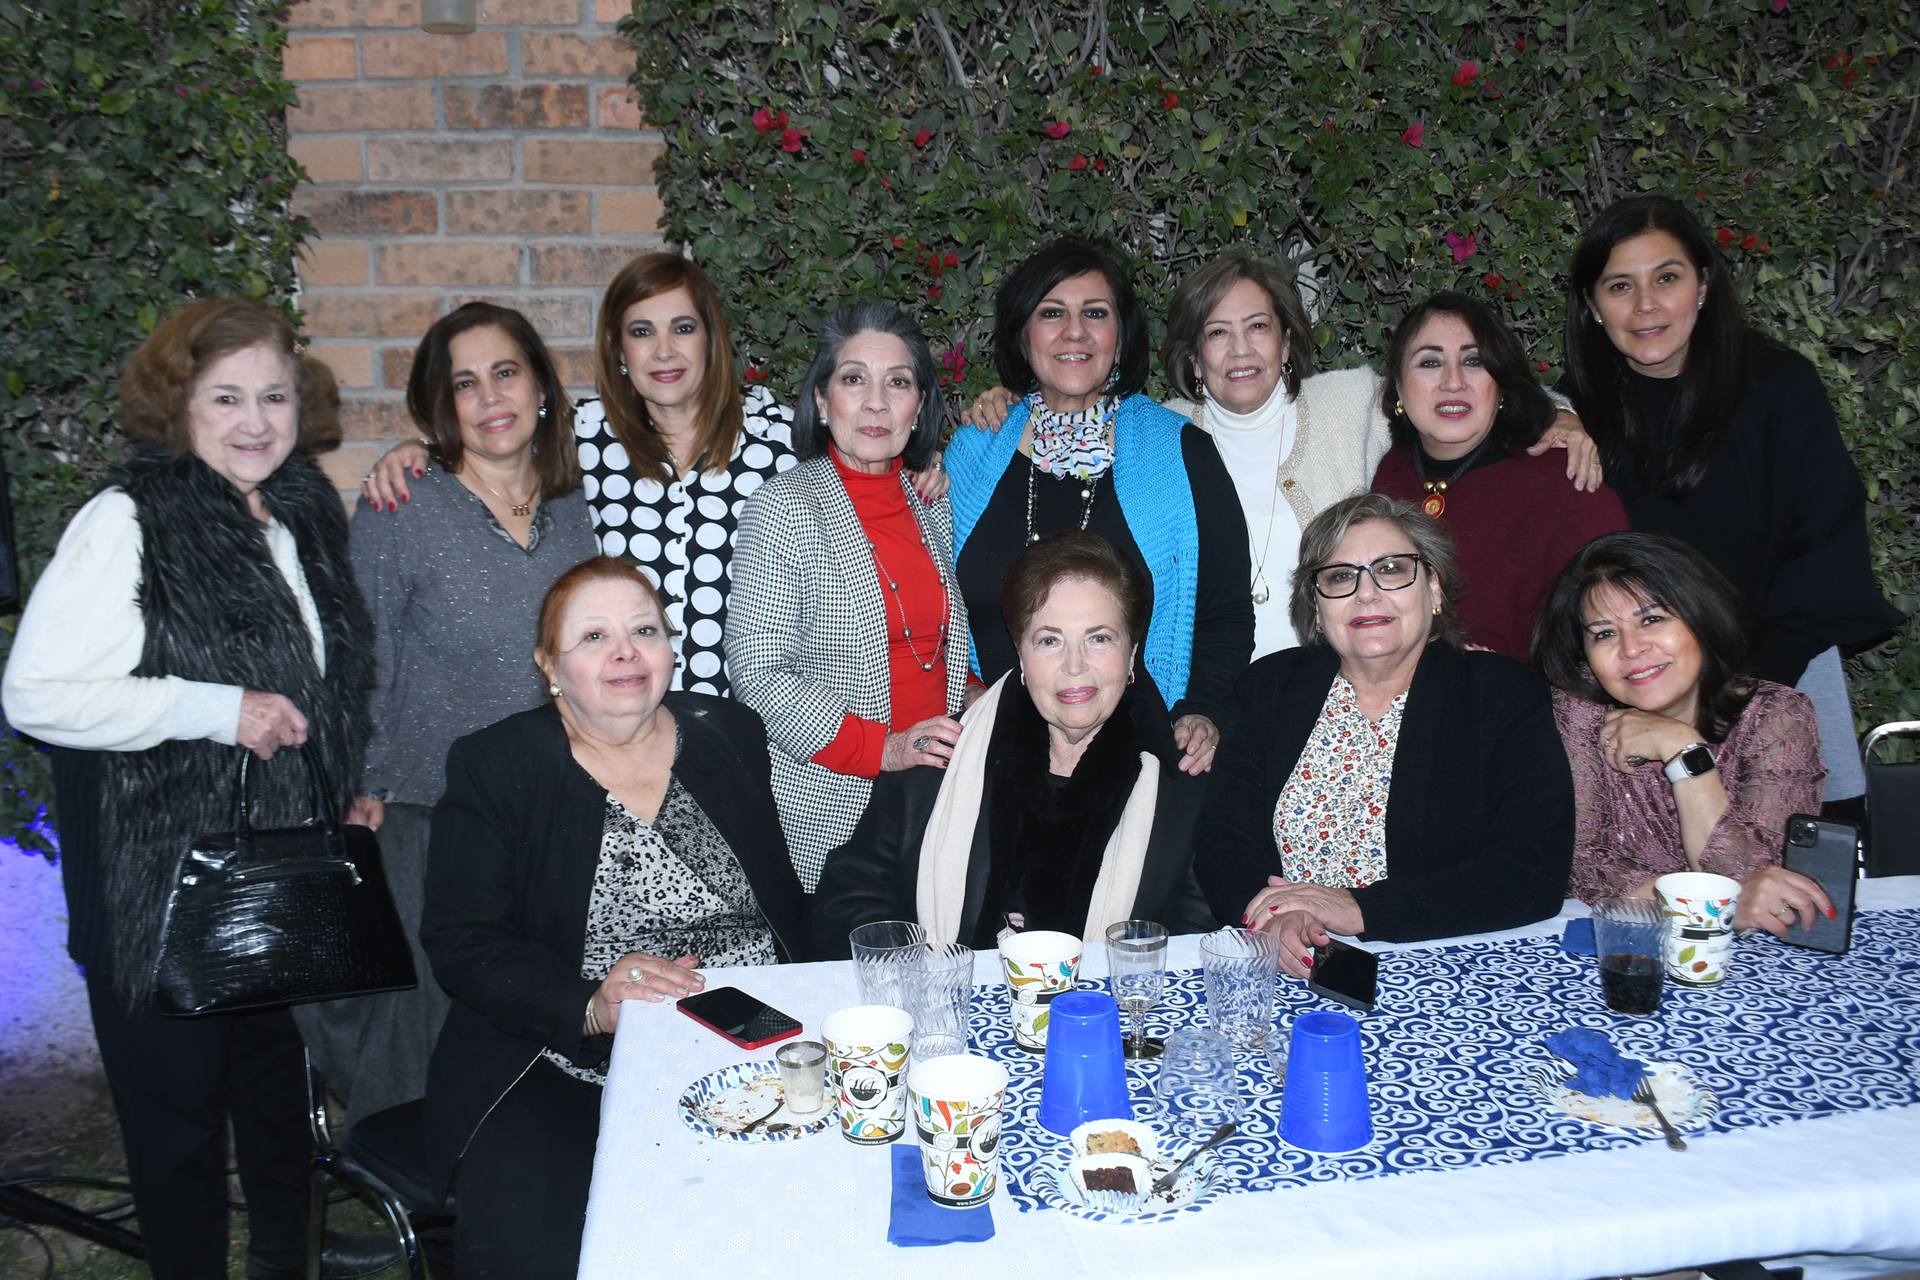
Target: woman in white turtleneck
point(1295, 442)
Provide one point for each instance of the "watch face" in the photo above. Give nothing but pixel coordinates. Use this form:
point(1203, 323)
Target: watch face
point(1697, 761)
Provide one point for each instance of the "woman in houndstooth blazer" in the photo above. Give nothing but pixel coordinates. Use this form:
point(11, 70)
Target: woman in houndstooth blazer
point(844, 601)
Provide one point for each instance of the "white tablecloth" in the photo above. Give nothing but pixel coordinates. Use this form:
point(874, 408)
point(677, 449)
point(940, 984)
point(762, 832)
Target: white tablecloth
point(668, 1202)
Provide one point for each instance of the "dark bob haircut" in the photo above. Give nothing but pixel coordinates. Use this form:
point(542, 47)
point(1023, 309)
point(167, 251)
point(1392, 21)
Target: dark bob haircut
point(1525, 411)
point(1201, 292)
point(1023, 292)
point(1712, 384)
point(430, 394)
point(1654, 569)
point(1069, 557)
point(159, 376)
point(811, 435)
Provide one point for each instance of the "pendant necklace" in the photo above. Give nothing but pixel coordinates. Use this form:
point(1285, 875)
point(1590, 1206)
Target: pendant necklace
point(906, 632)
point(1436, 499)
point(518, 508)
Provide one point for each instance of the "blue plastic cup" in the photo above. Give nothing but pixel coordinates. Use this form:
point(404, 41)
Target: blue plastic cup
point(1086, 1077)
point(1325, 1105)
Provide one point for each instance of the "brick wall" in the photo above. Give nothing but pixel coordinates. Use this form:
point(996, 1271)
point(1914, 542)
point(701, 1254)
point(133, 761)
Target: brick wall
point(510, 165)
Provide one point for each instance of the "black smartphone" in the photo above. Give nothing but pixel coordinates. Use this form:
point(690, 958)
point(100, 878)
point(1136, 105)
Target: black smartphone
point(739, 1017)
point(1345, 973)
point(1828, 853)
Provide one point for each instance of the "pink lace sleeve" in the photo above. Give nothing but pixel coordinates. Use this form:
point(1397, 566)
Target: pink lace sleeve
point(1598, 870)
point(1771, 767)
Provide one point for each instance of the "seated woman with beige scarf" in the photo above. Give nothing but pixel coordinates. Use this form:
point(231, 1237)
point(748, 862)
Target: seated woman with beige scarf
point(1063, 807)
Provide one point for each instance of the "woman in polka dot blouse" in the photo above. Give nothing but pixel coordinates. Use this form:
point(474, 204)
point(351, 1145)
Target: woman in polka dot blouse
point(669, 453)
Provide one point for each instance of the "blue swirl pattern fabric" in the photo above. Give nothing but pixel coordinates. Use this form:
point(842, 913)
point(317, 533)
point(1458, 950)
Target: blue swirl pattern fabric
point(1793, 1034)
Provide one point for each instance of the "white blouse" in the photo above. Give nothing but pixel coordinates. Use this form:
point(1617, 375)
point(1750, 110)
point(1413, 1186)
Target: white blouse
point(70, 681)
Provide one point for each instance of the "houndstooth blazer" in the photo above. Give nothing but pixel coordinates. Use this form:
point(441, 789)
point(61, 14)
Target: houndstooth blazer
point(807, 642)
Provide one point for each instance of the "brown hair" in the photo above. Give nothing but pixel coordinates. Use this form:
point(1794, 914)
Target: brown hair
point(1074, 556)
point(594, 569)
point(158, 377)
point(1432, 542)
point(718, 403)
point(430, 394)
point(1201, 292)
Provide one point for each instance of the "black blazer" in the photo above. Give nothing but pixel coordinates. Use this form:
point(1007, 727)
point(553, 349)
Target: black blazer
point(516, 842)
point(1479, 816)
point(876, 874)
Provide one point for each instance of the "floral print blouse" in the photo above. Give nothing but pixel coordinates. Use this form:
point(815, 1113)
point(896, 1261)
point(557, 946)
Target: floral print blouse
point(1330, 823)
point(681, 534)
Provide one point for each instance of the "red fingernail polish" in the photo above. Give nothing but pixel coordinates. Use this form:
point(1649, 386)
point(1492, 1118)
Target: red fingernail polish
point(1274, 907)
point(1243, 917)
point(406, 497)
point(1832, 914)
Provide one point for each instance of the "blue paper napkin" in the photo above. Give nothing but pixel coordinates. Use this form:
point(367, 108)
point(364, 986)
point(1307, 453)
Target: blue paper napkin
point(1579, 936)
point(1599, 1069)
point(917, 1220)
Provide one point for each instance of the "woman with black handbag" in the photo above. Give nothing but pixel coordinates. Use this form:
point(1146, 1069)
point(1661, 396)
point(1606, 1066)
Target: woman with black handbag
point(203, 601)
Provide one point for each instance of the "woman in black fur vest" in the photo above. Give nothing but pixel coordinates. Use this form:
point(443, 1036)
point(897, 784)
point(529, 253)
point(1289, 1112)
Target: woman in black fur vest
point(201, 604)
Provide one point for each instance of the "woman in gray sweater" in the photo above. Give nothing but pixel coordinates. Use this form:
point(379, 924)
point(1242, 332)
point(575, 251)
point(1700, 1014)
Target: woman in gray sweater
point(454, 581)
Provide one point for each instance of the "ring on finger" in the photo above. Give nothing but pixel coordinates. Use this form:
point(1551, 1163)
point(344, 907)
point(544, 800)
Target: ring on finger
point(920, 743)
point(1785, 912)
point(634, 974)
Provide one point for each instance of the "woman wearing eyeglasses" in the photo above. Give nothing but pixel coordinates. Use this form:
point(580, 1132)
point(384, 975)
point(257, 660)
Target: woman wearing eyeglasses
point(1381, 781)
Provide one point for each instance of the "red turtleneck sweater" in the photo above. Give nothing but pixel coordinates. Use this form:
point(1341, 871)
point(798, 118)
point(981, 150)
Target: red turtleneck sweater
point(918, 694)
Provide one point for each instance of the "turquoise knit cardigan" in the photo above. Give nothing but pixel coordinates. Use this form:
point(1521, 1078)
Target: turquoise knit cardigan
point(1150, 477)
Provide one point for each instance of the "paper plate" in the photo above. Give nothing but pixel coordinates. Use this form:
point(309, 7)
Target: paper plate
point(722, 1103)
point(1198, 1185)
point(1685, 1102)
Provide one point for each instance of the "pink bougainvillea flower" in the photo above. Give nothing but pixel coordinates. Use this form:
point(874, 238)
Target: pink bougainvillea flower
point(923, 137)
point(1171, 101)
point(1462, 246)
point(1724, 236)
point(1415, 134)
point(790, 140)
point(1490, 280)
point(859, 157)
point(886, 184)
point(953, 259)
point(756, 374)
point(934, 291)
point(1521, 44)
point(1078, 162)
point(1779, 6)
point(1467, 74)
point(1100, 163)
point(956, 361)
point(1541, 367)
point(1058, 129)
point(1750, 242)
point(763, 119)
point(899, 243)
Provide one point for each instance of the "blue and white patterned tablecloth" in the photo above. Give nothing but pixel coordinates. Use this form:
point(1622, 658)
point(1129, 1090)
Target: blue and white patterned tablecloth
point(1792, 1034)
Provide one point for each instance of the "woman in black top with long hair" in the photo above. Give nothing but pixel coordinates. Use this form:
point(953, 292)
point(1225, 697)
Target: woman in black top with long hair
point(1725, 440)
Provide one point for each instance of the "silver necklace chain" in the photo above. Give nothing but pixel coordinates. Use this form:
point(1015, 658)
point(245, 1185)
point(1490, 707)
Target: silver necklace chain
point(906, 632)
point(1086, 501)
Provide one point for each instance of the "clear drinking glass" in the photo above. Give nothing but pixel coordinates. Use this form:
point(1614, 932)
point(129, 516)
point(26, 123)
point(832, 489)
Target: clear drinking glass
point(939, 989)
point(1198, 1089)
point(803, 1075)
point(883, 953)
point(1137, 965)
point(1240, 965)
point(1630, 943)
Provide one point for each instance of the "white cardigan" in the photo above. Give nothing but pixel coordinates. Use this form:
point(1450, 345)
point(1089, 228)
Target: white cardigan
point(70, 678)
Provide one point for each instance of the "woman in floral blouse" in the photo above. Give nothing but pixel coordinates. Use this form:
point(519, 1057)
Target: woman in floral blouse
point(669, 453)
point(1382, 781)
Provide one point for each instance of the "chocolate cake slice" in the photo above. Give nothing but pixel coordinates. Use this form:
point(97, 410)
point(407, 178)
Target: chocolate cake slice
point(1117, 1179)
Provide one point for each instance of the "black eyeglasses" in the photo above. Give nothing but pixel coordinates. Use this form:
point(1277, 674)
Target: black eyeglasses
point(1389, 573)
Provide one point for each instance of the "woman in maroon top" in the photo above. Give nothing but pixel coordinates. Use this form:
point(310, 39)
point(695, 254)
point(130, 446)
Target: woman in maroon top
point(1464, 408)
point(1680, 761)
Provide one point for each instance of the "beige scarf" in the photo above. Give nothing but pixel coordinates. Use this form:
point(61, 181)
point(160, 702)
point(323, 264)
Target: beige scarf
point(947, 847)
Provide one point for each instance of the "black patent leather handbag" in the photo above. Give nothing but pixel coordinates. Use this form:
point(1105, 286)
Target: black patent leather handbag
point(262, 919)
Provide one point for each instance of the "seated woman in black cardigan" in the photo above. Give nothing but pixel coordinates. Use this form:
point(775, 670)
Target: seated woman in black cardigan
point(598, 849)
point(1381, 782)
point(1063, 806)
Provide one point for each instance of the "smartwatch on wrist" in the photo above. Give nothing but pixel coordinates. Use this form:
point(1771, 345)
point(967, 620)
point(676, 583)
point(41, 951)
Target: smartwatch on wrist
point(1693, 760)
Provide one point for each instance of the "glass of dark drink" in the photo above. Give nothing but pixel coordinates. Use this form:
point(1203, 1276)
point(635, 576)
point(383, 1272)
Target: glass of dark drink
point(1629, 937)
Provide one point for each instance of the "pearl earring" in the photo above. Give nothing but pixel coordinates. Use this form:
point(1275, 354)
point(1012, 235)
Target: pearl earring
point(1399, 407)
point(543, 413)
point(623, 368)
point(553, 690)
point(1436, 611)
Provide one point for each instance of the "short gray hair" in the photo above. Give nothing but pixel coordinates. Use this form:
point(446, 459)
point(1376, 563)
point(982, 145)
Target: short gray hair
point(1432, 542)
point(810, 433)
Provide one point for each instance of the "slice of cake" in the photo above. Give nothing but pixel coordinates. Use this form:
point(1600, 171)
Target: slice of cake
point(1112, 1141)
point(1115, 1178)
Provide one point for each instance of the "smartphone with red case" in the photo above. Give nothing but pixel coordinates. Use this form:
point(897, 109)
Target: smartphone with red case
point(734, 1015)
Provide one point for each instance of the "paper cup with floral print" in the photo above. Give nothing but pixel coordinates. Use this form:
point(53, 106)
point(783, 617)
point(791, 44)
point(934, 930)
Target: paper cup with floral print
point(1040, 965)
point(955, 1103)
point(1701, 941)
point(867, 1050)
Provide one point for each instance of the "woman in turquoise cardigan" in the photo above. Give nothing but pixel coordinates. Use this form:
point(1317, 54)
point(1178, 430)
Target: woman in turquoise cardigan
point(1085, 450)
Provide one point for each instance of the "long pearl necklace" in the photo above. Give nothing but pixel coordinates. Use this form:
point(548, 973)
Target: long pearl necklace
point(906, 632)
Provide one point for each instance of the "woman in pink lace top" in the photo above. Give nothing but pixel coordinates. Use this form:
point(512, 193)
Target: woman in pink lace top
point(1680, 763)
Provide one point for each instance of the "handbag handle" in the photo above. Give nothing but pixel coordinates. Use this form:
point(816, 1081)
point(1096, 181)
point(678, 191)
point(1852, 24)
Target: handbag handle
point(243, 817)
